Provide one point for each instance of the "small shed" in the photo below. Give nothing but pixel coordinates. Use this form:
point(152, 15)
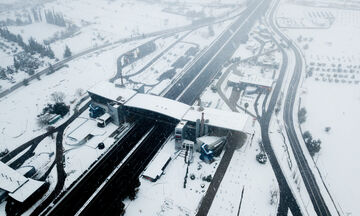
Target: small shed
point(157, 167)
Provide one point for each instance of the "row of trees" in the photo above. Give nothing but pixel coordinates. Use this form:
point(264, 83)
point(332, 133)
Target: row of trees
point(36, 14)
point(18, 21)
point(55, 18)
point(32, 47)
point(51, 17)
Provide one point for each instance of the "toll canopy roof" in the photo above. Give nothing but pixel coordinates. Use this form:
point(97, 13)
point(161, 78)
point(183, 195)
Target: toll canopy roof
point(158, 104)
point(171, 108)
point(217, 118)
point(110, 91)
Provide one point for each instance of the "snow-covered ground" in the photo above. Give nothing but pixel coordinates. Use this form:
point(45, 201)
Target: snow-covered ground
point(167, 196)
point(79, 156)
point(18, 119)
point(331, 96)
point(338, 157)
point(247, 178)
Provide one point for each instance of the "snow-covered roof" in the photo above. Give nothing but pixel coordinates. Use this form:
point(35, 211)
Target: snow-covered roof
point(171, 108)
point(253, 79)
point(82, 130)
point(10, 179)
point(209, 139)
point(26, 190)
point(110, 91)
point(155, 169)
point(218, 118)
point(18, 186)
point(158, 104)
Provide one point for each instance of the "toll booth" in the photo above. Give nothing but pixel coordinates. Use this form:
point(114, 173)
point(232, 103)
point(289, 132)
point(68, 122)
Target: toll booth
point(179, 134)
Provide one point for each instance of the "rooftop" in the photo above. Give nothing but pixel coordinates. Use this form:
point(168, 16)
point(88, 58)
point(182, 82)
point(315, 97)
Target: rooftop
point(218, 118)
point(18, 186)
point(158, 104)
point(110, 91)
point(10, 179)
point(26, 190)
point(224, 119)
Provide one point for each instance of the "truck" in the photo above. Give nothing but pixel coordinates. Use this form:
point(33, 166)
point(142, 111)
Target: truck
point(103, 120)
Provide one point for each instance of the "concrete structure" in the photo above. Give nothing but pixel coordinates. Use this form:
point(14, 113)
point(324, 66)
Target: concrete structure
point(112, 99)
point(122, 103)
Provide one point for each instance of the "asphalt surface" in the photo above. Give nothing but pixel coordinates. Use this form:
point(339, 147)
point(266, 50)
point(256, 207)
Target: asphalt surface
point(286, 197)
point(233, 142)
point(62, 63)
point(306, 173)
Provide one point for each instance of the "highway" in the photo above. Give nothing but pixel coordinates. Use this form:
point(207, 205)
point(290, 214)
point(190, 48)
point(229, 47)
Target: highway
point(306, 173)
point(201, 71)
point(62, 62)
point(287, 199)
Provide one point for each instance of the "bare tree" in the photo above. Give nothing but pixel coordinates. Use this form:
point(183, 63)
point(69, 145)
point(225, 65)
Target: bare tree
point(43, 120)
point(58, 97)
point(79, 92)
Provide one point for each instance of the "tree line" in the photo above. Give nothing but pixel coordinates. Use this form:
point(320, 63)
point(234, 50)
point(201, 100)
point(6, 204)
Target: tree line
point(32, 47)
point(50, 16)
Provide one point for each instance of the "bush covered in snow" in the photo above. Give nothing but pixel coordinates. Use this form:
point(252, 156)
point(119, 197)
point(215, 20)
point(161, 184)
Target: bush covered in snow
point(312, 145)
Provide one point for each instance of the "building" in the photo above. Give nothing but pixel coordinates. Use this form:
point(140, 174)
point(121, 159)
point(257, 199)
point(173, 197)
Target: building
point(16, 185)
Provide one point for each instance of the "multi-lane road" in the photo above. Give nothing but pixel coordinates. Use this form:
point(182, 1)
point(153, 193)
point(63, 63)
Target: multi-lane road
point(309, 180)
point(308, 177)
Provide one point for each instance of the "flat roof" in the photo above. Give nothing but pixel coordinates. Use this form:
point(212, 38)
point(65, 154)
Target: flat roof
point(26, 190)
point(171, 108)
point(155, 169)
point(253, 79)
point(110, 91)
point(80, 131)
point(18, 186)
point(210, 139)
point(218, 118)
point(158, 104)
point(10, 179)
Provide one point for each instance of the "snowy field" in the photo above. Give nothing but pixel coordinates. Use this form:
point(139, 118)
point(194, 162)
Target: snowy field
point(338, 157)
point(18, 120)
point(331, 96)
point(256, 182)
